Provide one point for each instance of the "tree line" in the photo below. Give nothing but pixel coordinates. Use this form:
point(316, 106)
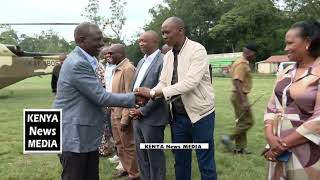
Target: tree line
point(225, 26)
point(222, 26)
point(47, 41)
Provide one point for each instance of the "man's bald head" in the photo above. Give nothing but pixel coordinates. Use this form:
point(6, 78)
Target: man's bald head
point(149, 42)
point(152, 35)
point(83, 30)
point(118, 48)
point(116, 53)
point(175, 22)
point(88, 36)
point(173, 31)
point(62, 57)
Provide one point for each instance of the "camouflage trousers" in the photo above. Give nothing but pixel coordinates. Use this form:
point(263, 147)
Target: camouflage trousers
point(244, 123)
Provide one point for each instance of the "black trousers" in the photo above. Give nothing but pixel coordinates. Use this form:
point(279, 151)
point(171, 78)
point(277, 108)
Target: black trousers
point(80, 166)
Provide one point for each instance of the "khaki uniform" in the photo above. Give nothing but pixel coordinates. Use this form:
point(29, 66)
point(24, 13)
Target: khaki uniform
point(240, 70)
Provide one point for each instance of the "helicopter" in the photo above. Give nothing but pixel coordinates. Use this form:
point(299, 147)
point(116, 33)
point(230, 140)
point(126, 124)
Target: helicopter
point(17, 65)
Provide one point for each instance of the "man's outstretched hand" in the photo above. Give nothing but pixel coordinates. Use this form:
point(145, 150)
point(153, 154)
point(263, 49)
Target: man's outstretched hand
point(143, 92)
point(135, 114)
point(142, 96)
point(141, 101)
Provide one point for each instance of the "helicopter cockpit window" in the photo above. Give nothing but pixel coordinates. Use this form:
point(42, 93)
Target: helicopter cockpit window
point(15, 49)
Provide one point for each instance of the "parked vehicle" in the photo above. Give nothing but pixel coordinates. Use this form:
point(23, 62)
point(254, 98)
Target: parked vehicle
point(282, 66)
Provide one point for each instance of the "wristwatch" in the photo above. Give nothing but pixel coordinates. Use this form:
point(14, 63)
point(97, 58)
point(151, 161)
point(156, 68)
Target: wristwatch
point(152, 93)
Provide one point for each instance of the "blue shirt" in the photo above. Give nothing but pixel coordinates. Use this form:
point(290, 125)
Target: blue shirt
point(92, 60)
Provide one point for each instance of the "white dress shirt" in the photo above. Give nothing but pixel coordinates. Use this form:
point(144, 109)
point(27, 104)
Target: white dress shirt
point(147, 61)
point(108, 75)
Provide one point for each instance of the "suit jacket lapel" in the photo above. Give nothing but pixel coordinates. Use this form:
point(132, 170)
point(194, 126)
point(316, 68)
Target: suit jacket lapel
point(80, 53)
point(151, 65)
point(137, 71)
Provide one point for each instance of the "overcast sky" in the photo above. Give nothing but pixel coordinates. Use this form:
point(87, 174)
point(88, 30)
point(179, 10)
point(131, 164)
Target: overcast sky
point(24, 11)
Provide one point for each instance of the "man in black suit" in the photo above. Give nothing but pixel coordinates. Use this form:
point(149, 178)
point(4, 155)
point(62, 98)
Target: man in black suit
point(152, 118)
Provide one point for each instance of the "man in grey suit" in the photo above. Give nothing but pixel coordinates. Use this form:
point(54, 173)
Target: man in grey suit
point(152, 118)
point(81, 96)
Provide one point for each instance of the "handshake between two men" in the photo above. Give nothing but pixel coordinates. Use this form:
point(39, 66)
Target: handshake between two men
point(143, 95)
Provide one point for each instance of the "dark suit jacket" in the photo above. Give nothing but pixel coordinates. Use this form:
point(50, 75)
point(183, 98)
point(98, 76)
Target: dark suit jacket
point(55, 77)
point(81, 96)
point(156, 112)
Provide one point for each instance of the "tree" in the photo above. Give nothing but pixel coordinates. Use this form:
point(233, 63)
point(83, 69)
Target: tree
point(115, 22)
point(92, 13)
point(117, 19)
point(204, 15)
point(159, 13)
point(46, 41)
point(133, 52)
point(224, 26)
point(302, 9)
point(256, 21)
point(8, 36)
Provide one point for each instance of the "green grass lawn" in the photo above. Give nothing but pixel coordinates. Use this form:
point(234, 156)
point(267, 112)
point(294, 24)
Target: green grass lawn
point(35, 93)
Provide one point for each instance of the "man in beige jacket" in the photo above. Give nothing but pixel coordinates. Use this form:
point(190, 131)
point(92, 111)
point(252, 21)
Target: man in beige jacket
point(185, 80)
point(121, 124)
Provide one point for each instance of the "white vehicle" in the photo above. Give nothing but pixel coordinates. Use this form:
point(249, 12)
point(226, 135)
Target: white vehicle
point(282, 66)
